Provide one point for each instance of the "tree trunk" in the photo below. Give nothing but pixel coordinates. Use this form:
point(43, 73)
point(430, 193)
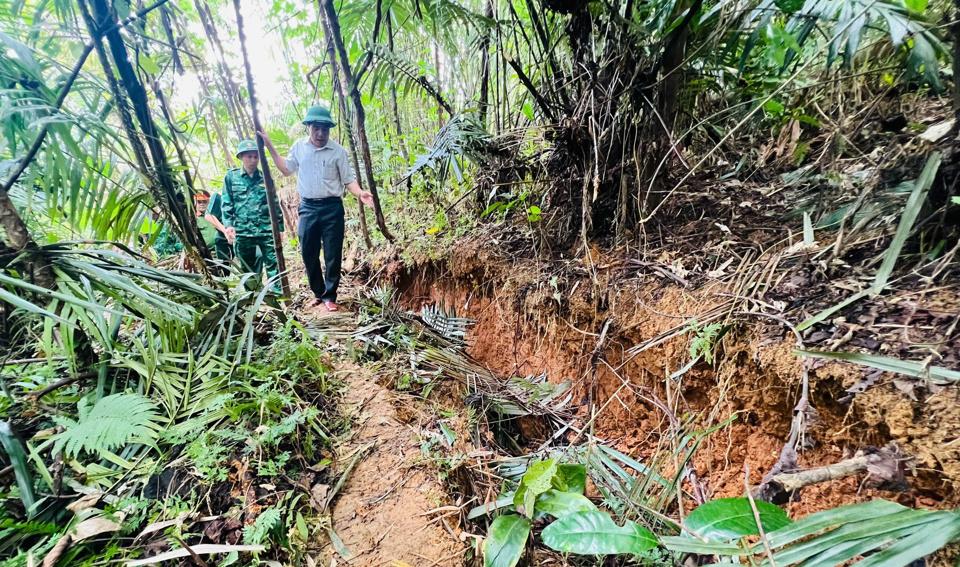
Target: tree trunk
point(350, 89)
point(670, 62)
point(183, 220)
point(345, 119)
point(395, 107)
point(956, 61)
point(168, 29)
point(272, 201)
point(485, 67)
point(119, 98)
point(18, 238)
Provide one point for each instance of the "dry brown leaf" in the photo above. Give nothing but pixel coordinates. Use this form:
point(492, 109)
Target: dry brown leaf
point(318, 496)
point(96, 526)
point(84, 502)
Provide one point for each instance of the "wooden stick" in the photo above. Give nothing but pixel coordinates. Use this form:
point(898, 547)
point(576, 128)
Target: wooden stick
point(272, 200)
point(885, 464)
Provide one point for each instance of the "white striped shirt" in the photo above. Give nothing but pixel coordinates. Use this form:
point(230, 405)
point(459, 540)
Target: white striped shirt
point(321, 172)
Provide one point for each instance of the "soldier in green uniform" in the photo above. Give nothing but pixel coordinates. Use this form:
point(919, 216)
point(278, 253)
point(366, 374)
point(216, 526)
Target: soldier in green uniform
point(246, 214)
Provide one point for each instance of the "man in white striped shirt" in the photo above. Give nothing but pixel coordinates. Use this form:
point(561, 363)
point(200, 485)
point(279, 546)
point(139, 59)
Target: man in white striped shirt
point(323, 173)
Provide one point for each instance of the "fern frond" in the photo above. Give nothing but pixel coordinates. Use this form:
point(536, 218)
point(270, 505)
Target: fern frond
point(111, 423)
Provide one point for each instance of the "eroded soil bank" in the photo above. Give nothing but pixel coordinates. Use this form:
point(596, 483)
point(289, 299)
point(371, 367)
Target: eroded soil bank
point(617, 337)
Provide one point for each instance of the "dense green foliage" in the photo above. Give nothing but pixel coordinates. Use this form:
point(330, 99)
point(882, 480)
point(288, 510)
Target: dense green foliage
point(568, 120)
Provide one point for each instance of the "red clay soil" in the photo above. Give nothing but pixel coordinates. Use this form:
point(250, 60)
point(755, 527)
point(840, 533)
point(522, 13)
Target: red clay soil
point(387, 511)
point(524, 326)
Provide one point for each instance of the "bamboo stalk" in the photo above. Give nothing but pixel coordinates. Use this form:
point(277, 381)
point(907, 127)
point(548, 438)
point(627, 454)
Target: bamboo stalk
point(345, 114)
point(272, 200)
point(350, 89)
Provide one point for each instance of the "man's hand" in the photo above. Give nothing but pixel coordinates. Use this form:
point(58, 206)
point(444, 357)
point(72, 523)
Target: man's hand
point(231, 235)
point(366, 197)
point(266, 139)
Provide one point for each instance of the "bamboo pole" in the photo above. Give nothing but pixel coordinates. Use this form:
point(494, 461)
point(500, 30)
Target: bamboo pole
point(272, 200)
point(349, 88)
point(345, 118)
point(183, 220)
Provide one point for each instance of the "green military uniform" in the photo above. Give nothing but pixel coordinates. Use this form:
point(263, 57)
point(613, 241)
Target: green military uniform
point(244, 207)
point(208, 232)
point(167, 243)
point(220, 244)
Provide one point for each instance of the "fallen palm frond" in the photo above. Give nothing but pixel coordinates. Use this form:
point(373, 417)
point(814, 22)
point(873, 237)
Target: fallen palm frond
point(882, 533)
point(936, 374)
point(434, 345)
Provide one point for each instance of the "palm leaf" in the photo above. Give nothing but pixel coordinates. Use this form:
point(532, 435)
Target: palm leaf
point(894, 534)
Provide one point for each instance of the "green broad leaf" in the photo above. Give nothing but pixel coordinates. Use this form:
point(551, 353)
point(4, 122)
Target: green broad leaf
point(916, 6)
point(533, 214)
point(955, 200)
point(731, 518)
point(559, 504)
point(505, 541)
point(773, 107)
point(571, 478)
point(595, 533)
point(537, 480)
point(148, 64)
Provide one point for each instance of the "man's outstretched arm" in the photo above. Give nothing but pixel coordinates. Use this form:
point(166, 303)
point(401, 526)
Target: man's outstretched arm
point(278, 159)
point(366, 197)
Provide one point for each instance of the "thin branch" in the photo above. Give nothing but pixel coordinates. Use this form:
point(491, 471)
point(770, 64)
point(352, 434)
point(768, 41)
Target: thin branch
point(61, 383)
point(542, 102)
point(368, 58)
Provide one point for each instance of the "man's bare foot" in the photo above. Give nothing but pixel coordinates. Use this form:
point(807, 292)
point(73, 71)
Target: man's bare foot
point(331, 305)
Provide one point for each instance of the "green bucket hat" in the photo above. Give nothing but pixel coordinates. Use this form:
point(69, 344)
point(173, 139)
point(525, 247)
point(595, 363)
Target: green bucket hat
point(246, 146)
point(318, 114)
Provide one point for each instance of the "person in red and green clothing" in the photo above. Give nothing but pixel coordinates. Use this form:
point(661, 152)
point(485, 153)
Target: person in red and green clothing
point(246, 214)
point(208, 231)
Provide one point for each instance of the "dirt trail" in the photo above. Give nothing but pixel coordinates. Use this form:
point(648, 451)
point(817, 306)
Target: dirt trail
point(383, 512)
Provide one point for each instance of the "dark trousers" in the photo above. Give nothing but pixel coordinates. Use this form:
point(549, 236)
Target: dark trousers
point(256, 253)
point(321, 227)
point(224, 249)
